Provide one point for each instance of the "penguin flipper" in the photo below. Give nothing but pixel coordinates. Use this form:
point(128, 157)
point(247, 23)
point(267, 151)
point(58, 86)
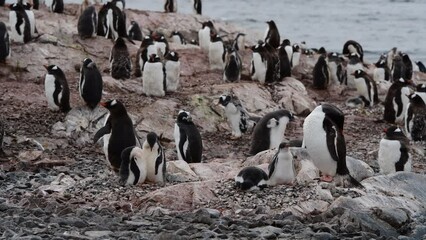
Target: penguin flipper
point(159, 159)
point(271, 166)
point(182, 140)
point(58, 89)
point(101, 132)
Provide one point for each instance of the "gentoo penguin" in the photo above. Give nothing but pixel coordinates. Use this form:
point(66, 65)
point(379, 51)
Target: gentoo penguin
point(408, 66)
point(56, 6)
point(272, 35)
point(269, 131)
point(147, 47)
point(170, 6)
point(284, 59)
point(172, 67)
point(121, 4)
point(102, 27)
point(153, 153)
point(197, 6)
point(134, 32)
point(160, 43)
point(353, 65)
point(336, 68)
point(323, 139)
point(415, 118)
point(216, 52)
point(272, 63)
point(154, 77)
point(178, 38)
point(87, 23)
point(188, 141)
point(204, 35)
point(116, 22)
point(120, 63)
point(396, 101)
point(389, 60)
point(321, 74)
point(258, 64)
point(421, 66)
point(238, 41)
point(90, 84)
point(122, 134)
point(56, 89)
point(233, 65)
point(399, 69)
point(366, 87)
point(295, 58)
point(281, 169)
point(4, 43)
point(352, 46)
point(236, 114)
point(20, 24)
point(381, 72)
point(133, 169)
point(29, 11)
point(84, 4)
point(251, 178)
point(394, 155)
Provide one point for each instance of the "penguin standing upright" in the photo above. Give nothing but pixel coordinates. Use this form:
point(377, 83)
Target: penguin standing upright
point(147, 47)
point(366, 87)
point(272, 63)
point(102, 27)
point(120, 63)
point(172, 67)
point(415, 118)
point(31, 18)
point(284, 60)
point(399, 69)
point(272, 35)
point(216, 52)
point(204, 35)
point(121, 4)
point(324, 140)
point(389, 60)
point(134, 32)
point(197, 6)
point(408, 66)
point(288, 48)
point(160, 43)
point(269, 131)
point(133, 169)
point(4, 43)
point(236, 114)
point(381, 72)
point(87, 23)
point(396, 101)
point(122, 134)
point(56, 6)
point(154, 77)
point(352, 46)
point(295, 58)
point(188, 140)
point(233, 65)
point(336, 68)
point(321, 74)
point(353, 65)
point(281, 169)
point(258, 64)
point(421, 66)
point(251, 178)
point(170, 6)
point(394, 155)
point(20, 24)
point(90, 84)
point(116, 22)
point(178, 38)
point(56, 89)
point(155, 159)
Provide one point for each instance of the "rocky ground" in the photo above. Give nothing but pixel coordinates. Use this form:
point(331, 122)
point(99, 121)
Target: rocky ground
point(56, 184)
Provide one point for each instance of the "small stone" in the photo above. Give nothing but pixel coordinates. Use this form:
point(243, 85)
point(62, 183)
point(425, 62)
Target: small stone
point(97, 234)
point(323, 236)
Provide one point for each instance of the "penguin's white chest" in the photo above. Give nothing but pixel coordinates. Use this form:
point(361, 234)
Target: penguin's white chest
point(234, 118)
point(379, 74)
point(153, 79)
point(172, 75)
point(14, 35)
point(332, 66)
point(177, 142)
point(350, 69)
point(215, 55)
point(160, 46)
point(295, 59)
point(389, 154)
point(284, 172)
point(259, 68)
point(176, 39)
point(110, 23)
point(31, 19)
point(49, 89)
point(289, 51)
point(315, 141)
point(361, 87)
point(150, 158)
point(204, 38)
point(277, 133)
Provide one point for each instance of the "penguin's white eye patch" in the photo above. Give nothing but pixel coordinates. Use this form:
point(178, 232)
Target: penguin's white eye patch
point(397, 130)
point(113, 102)
point(272, 123)
point(55, 68)
point(173, 54)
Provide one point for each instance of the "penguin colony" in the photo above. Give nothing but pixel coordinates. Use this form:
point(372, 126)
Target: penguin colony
point(272, 61)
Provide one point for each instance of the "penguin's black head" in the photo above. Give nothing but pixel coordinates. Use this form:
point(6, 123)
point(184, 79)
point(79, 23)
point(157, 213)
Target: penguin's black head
point(421, 87)
point(175, 33)
point(416, 100)
point(184, 117)
point(284, 145)
point(16, 7)
point(207, 24)
point(358, 73)
point(154, 58)
point(151, 138)
point(134, 23)
point(114, 106)
point(173, 56)
point(52, 69)
point(286, 42)
point(193, 42)
point(147, 40)
point(271, 24)
point(393, 132)
point(119, 42)
point(215, 37)
point(88, 63)
point(224, 100)
point(158, 36)
point(296, 47)
point(322, 51)
point(405, 57)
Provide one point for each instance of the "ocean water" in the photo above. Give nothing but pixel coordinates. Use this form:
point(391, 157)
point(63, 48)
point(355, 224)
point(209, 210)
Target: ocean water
point(377, 25)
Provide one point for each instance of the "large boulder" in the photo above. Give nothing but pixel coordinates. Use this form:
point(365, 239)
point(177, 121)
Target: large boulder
point(294, 97)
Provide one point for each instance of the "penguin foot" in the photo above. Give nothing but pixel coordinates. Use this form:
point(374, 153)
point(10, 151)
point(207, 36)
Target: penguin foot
point(326, 178)
point(233, 137)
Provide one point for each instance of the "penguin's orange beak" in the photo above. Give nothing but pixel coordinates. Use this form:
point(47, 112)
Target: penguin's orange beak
point(45, 66)
point(103, 104)
point(353, 74)
point(385, 130)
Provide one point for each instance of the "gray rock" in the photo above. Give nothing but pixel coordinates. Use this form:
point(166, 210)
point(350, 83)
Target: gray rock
point(167, 236)
point(394, 216)
point(359, 169)
point(294, 96)
point(97, 234)
point(268, 232)
point(70, 221)
point(202, 216)
point(323, 236)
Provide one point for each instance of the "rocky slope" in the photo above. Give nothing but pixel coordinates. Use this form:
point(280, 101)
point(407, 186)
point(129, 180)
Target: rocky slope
point(56, 184)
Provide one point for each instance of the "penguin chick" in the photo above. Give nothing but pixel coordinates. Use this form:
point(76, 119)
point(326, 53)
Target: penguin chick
point(281, 169)
point(251, 178)
point(236, 114)
point(233, 65)
point(133, 170)
point(120, 63)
